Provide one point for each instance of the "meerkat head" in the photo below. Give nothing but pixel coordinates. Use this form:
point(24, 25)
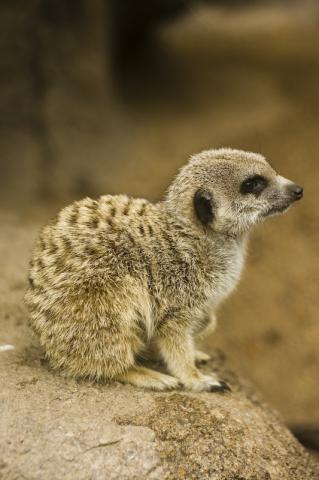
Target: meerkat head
point(229, 191)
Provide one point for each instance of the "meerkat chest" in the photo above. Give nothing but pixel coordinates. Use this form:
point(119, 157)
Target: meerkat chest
point(225, 271)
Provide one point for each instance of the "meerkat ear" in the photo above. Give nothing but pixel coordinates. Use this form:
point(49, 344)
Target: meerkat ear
point(204, 206)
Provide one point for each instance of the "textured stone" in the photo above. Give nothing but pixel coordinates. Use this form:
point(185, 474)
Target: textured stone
point(55, 428)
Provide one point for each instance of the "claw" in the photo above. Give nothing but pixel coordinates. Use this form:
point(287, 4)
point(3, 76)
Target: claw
point(222, 387)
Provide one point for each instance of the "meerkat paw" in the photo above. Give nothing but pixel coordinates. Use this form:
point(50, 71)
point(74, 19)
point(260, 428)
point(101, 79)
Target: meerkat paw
point(201, 357)
point(207, 383)
point(150, 379)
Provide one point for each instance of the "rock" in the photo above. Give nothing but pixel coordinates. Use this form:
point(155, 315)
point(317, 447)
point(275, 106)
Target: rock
point(55, 428)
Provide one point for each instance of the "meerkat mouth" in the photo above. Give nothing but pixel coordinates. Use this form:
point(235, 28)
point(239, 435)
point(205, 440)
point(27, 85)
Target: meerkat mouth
point(276, 210)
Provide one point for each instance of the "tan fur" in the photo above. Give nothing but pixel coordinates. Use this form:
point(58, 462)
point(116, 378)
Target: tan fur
point(109, 277)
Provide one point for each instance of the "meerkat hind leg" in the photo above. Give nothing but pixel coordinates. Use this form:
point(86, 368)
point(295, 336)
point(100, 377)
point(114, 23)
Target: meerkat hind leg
point(208, 328)
point(201, 357)
point(148, 378)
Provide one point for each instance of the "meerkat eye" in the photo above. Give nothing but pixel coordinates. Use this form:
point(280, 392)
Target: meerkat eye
point(255, 184)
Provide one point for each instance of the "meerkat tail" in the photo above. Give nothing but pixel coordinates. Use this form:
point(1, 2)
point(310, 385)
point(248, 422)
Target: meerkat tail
point(148, 378)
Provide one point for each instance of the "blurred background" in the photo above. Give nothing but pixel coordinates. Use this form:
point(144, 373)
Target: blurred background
point(113, 96)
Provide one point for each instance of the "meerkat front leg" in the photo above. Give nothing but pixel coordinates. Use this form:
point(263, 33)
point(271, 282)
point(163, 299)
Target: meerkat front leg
point(176, 346)
point(148, 378)
point(205, 329)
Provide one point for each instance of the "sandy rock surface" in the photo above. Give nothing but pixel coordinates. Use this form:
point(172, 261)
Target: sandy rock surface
point(55, 428)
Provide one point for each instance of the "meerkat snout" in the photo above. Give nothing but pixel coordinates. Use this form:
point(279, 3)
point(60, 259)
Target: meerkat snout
point(113, 277)
point(296, 191)
point(282, 193)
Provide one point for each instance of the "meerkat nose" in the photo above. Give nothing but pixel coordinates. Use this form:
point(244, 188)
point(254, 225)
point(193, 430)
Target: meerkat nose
point(296, 191)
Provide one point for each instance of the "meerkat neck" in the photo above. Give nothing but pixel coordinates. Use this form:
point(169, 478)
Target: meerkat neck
point(176, 223)
point(198, 232)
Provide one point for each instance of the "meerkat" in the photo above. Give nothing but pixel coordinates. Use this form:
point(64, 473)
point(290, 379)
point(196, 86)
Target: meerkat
point(114, 276)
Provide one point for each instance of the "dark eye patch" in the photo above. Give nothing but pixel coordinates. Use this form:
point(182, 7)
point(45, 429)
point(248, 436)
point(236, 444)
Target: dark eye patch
point(255, 184)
